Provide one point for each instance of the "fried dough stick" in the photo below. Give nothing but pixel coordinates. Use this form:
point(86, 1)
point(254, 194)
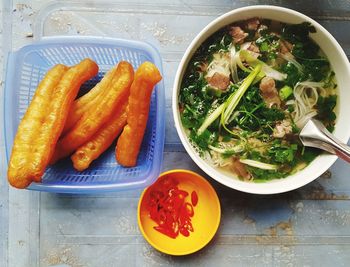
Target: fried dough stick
point(91, 98)
point(44, 120)
point(97, 115)
point(91, 150)
point(129, 142)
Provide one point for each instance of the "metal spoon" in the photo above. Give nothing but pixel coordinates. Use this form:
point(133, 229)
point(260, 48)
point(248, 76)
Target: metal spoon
point(315, 134)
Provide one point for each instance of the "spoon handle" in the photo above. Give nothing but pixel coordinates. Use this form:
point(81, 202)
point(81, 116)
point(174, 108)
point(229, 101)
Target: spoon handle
point(315, 134)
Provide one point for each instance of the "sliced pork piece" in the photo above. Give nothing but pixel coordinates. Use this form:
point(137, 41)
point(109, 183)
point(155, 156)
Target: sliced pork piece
point(254, 48)
point(219, 81)
point(238, 34)
point(252, 24)
point(218, 71)
point(282, 128)
point(285, 47)
point(269, 92)
point(240, 169)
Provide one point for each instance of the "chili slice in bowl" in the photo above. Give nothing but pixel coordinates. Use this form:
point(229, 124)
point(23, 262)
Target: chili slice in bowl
point(168, 207)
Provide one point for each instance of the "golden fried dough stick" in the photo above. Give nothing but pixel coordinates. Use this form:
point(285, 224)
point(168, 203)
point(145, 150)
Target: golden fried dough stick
point(97, 115)
point(129, 142)
point(91, 98)
point(44, 120)
point(29, 128)
point(91, 150)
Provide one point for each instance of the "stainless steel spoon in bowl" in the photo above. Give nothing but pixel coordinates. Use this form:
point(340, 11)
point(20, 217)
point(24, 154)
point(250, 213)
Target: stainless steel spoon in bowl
point(315, 134)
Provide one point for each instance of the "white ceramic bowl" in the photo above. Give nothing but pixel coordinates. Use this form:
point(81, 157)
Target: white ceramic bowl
point(340, 65)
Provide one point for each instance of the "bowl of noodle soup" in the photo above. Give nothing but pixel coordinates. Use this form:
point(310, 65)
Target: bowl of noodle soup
point(244, 89)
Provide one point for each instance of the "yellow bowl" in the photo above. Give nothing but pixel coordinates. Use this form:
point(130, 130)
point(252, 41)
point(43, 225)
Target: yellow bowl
point(206, 219)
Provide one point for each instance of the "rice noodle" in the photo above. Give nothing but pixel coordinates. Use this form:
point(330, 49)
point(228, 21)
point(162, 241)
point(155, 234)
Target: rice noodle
point(228, 147)
point(306, 95)
point(218, 161)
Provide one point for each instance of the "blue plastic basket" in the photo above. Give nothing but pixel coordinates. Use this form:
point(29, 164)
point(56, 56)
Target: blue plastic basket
point(26, 68)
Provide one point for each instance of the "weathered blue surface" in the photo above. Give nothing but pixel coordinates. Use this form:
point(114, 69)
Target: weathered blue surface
point(306, 227)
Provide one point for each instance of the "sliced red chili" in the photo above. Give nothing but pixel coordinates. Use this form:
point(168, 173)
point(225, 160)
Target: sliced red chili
point(184, 232)
point(156, 195)
point(189, 209)
point(194, 198)
point(189, 226)
point(168, 183)
point(168, 208)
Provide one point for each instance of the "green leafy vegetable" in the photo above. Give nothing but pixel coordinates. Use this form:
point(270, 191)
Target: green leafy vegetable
point(325, 106)
point(315, 69)
point(261, 175)
point(297, 32)
point(293, 75)
point(283, 153)
point(273, 114)
point(220, 44)
point(204, 139)
point(309, 154)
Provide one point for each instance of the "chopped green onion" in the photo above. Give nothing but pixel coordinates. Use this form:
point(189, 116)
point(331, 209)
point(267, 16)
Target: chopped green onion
point(266, 69)
point(232, 102)
point(264, 47)
point(210, 119)
point(258, 164)
point(285, 92)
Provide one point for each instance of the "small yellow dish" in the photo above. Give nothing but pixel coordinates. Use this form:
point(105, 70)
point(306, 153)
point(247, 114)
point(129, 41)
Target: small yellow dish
point(206, 219)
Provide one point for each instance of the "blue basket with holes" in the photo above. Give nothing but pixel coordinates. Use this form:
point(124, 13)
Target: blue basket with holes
point(27, 66)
